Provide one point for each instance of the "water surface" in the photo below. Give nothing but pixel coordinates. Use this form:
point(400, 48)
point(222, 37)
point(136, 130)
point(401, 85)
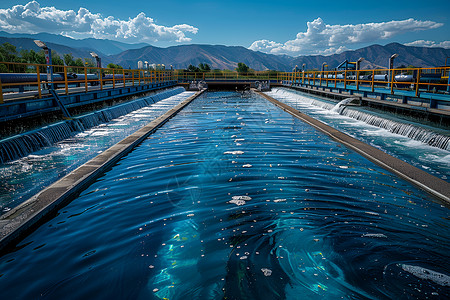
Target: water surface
point(235, 199)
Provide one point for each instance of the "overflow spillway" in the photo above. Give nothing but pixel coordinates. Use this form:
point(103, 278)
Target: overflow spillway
point(425, 135)
point(23, 144)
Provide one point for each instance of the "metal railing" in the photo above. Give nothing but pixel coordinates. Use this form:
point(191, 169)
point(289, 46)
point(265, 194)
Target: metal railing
point(30, 80)
point(183, 76)
point(430, 80)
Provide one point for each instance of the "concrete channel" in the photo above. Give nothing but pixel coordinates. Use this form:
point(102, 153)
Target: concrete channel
point(20, 221)
point(437, 187)
point(23, 219)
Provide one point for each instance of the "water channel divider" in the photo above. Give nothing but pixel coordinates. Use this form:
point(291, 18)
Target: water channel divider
point(23, 219)
point(425, 181)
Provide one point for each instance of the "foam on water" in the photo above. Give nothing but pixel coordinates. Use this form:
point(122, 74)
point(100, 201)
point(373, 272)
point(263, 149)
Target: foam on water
point(406, 141)
point(160, 224)
point(58, 158)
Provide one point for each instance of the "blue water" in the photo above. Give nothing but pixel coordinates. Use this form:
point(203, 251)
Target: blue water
point(430, 159)
point(235, 199)
point(22, 178)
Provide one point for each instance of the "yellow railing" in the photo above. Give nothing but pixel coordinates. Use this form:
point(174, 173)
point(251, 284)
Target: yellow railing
point(183, 76)
point(31, 79)
point(433, 80)
point(68, 79)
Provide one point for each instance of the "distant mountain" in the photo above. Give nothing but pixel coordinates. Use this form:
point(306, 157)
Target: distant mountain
point(217, 56)
point(107, 47)
point(377, 56)
point(226, 57)
point(28, 44)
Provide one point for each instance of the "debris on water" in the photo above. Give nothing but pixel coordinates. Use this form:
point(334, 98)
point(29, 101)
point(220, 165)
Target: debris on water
point(190, 215)
point(151, 266)
point(234, 152)
point(155, 290)
point(372, 213)
point(237, 202)
point(266, 272)
point(427, 274)
point(246, 198)
point(380, 235)
point(279, 200)
point(247, 166)
point(243, 257)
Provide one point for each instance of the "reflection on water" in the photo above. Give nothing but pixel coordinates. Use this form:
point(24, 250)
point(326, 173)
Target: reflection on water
point(184, 217)
point(431, 159)
point(22, 178)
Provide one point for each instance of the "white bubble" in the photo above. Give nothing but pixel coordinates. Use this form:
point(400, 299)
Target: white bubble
point(266, 272)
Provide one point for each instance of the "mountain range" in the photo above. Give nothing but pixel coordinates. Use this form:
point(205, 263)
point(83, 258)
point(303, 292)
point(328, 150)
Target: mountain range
point(225, 57)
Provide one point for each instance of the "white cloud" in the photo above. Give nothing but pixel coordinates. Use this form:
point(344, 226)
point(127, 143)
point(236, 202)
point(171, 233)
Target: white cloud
point(32, 18)
point(321, 38)
point(432, 44)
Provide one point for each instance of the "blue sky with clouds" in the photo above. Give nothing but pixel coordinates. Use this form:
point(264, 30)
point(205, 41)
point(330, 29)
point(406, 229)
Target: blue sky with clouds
point(278, 27)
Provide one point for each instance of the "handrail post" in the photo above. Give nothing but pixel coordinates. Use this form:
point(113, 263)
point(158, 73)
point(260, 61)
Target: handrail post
point(66, 83)
point(114, 79)
point(373, 81)
point(335, 78)
point(39, 81)
point(132, 76)
point(100, 76)
point(123, 77)
point(85, 80)
point(418, 82)
point(345, 79)
point(392, 81)
point(357, 80)
point(1, 92)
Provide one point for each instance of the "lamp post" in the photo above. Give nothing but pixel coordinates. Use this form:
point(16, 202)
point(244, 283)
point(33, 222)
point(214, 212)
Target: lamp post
point(391, 66)
point(99, 66)
point(48, 60)
point(357, 67)
point(303, 73)
point(448, 75)
point(323, 73)
point(358, 63)
point(97, 59)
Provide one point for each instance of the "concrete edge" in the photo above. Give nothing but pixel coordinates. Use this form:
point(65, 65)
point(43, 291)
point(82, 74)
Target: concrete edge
point(21, 220)
point(425, 181)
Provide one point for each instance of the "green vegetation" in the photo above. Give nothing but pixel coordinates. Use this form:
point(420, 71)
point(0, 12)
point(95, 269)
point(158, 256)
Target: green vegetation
point(8, 53)
point(113, 66)
point(201, 68)
point(242, 68)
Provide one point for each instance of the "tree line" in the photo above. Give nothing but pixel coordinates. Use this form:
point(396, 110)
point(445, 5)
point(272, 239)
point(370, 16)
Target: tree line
point(9, 53)
point(202, 68)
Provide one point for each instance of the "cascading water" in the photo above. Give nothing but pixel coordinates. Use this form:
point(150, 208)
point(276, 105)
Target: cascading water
point(23, 144)
point(424, 135)
point(342, 104)
point(411, 131)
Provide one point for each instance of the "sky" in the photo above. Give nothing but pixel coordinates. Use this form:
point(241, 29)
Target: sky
point(278, 27)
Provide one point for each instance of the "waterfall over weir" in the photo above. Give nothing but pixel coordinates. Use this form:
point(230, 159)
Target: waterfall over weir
point(414, 132)
point(23, 144)
point(411, 131)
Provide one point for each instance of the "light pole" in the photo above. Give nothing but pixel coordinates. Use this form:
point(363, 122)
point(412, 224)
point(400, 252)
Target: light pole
point(303, 73)
point(97, 59)
point(391, 66)
point(323, 73)
point(448, 75)
point(358, 63)
point(357, 67)
point(48, 60)
point(99, 66)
